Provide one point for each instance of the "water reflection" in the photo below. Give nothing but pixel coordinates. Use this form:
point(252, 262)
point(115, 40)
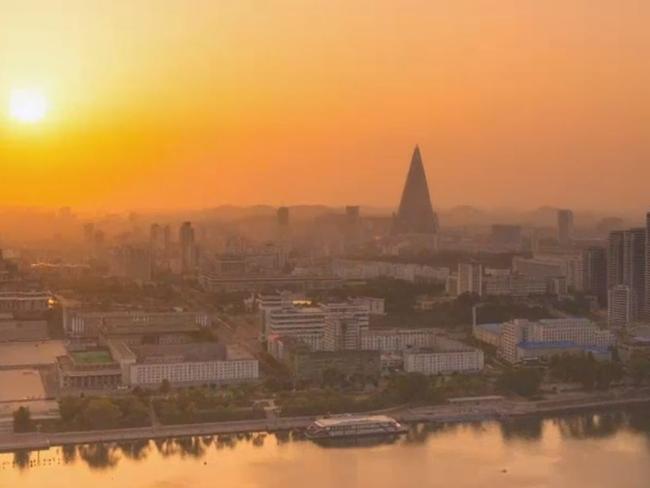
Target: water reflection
point(106, 456)
point(527, 428)
point(99, 456)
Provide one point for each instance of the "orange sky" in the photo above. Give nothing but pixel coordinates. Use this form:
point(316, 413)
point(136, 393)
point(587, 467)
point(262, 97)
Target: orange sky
point(165, 103)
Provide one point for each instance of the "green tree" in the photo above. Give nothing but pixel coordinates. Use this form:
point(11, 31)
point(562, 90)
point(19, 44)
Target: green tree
point(70, 407)
point(23, 420)
point(101, 413)
point(639, 368)
point(522, 381)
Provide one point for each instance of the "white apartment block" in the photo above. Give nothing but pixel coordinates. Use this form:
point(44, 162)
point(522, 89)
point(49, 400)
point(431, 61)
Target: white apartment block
point(470, 278)
point(216, 371)
point(564, 332)
point(622, 306)
point(24, 301)
point(394, 340)
point(344, 324)
point(569, 265)
point(433, 362)
point(514, 285)
point(364, 270)
point(184, 364)
point(304, 323)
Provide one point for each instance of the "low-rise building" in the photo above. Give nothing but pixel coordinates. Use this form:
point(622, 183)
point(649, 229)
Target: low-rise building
point(24, 301)
point(580, 333)
point(190, 364)
point(119, 364)
point(304, 323)
point(391, 340)
point(306, 364)
point(487, 333)
point(13, 330)
point(452, 357)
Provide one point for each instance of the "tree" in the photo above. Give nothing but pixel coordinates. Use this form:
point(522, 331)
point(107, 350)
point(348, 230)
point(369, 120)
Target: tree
point(70, 407)
point(23, 420)
point(332, 378)
point(522, 381)
point(101, 413)
point(165, 387)
point(639, 368)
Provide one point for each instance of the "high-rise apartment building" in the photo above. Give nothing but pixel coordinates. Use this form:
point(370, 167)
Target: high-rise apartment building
point(622, 308)
point(595, 273)
point(626, 264)
point(470, 278)
point(564, 227)
point(188, 247)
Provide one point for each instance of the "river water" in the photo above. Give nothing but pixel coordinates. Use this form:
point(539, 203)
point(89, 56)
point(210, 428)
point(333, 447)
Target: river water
point(595, 450)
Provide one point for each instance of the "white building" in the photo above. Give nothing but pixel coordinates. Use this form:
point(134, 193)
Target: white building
point(78, 322)
point(622, 306)
point(344, 324)
point(514, 285)
point(448, 360)
point(569, 265)
point(304, 323)
point(24, 301)
point(183, 364)
point(487, 333)
point(562, 334)
point(375, 306)
point(364, 270)
point(393, 340)
point(470, 278)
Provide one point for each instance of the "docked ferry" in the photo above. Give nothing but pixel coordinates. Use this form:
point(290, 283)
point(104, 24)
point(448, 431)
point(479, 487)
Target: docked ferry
point(347, 425)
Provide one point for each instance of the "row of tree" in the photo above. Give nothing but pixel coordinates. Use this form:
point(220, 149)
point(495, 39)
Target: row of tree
point(586, 370)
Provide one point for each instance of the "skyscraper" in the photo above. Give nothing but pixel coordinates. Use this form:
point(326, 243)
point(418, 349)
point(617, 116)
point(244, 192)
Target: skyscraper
point(634, 242)
point(615, 258)
point(622, 306)
point(188, 247)
point(415, 214)
point(595, 273)
point(626, 264)
point(564, 227)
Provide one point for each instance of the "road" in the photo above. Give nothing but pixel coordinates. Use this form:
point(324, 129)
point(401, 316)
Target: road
point(440, 413)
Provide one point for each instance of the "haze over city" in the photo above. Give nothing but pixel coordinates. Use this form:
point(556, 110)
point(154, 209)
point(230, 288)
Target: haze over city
point(153, 105)
point(329, 243)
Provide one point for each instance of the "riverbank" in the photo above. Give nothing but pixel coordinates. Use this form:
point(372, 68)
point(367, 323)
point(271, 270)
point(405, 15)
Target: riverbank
point(499, 410)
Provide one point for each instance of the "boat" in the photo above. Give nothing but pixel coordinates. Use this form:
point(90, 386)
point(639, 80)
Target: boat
point(347, 425)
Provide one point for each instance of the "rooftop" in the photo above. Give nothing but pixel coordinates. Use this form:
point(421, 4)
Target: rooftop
point(352, 419)
point(548, 345)
point(493, 328)
point(100, 356)
point(172, 353)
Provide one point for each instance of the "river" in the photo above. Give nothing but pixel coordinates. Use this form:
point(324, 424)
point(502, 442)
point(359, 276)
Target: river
point(594, 450)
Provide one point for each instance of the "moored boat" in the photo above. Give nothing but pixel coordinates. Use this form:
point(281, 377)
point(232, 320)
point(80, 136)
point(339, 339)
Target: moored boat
point(347, 425)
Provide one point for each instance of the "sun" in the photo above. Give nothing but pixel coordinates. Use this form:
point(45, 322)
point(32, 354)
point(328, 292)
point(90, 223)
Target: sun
point(27, 106)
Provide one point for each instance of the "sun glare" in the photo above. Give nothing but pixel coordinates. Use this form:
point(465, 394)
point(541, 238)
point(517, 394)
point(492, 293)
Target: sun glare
point(27, 106)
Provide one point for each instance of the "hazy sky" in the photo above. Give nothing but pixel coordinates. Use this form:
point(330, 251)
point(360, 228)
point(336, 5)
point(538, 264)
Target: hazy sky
point(167, 103)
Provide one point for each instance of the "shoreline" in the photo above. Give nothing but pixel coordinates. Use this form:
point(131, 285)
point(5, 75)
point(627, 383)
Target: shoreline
point(504, 410)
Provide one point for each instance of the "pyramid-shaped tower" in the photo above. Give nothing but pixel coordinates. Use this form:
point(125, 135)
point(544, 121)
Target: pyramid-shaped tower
point(415, 214)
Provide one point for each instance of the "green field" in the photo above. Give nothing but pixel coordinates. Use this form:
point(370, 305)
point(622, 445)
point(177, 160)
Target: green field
point(92, 357)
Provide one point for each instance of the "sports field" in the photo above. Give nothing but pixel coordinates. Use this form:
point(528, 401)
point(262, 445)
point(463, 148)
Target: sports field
point(92, 357)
